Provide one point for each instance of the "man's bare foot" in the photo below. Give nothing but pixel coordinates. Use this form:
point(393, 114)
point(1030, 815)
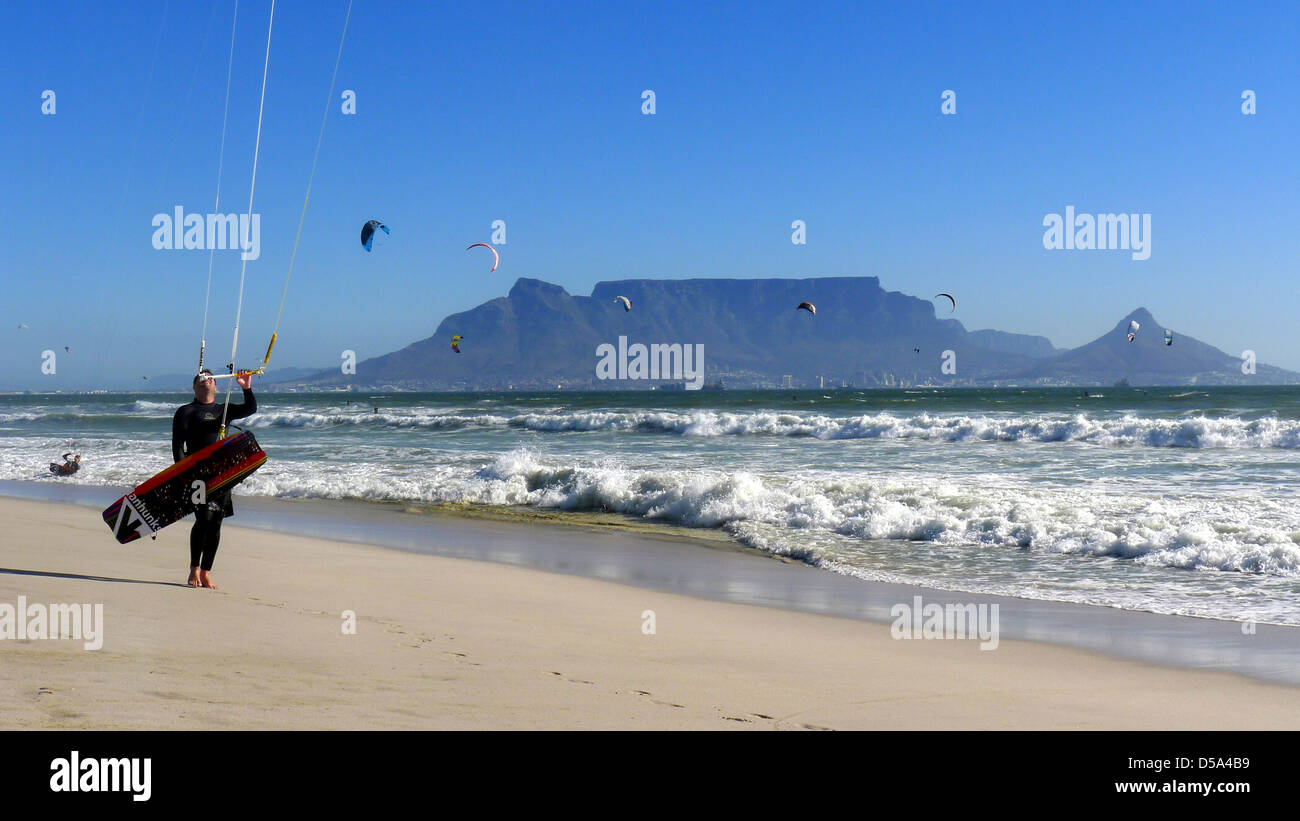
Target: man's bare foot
point(206, 580)
point(194, 581)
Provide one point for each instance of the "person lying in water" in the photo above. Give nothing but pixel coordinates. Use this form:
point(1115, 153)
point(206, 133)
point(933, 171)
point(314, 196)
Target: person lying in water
point(69, 466)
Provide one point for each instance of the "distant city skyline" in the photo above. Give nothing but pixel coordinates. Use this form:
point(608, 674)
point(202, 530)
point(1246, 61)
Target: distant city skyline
point(768, 124)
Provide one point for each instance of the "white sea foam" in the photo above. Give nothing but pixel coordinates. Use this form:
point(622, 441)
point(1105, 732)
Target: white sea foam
point(780, 513)
point(1116, 524)
point(807, 513)
point(105, 462)
point(1125, 431)
point(22, 416)
point(1195, 431)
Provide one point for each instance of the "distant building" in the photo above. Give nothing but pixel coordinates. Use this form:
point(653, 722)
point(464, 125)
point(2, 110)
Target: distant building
point(787, 380)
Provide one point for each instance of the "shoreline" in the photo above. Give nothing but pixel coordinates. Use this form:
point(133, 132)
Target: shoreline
point(444, 643)
point(720, 570)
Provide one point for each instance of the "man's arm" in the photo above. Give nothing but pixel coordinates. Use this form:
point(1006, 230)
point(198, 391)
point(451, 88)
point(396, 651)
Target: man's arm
point(248, 408)
point(178, 435)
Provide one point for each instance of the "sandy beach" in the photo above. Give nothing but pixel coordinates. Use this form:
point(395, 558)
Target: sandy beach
point(443, 643)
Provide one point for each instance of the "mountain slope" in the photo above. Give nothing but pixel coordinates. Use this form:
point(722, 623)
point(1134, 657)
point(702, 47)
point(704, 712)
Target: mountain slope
point(1148, 361)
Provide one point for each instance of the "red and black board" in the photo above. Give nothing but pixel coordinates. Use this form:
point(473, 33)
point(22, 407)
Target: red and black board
point(170, 496)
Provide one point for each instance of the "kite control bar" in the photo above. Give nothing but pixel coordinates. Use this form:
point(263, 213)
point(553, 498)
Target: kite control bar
point(258, 372)
point(261, 371)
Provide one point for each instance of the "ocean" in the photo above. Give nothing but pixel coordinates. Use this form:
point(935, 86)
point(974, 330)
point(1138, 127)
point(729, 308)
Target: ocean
point(1167, 500)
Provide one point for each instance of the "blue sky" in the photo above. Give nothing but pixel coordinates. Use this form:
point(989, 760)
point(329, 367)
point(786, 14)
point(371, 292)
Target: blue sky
point(531, 113)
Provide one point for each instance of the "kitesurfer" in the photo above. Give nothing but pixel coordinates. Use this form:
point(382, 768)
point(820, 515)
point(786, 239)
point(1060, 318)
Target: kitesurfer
point(194, 427)
point(69, 466)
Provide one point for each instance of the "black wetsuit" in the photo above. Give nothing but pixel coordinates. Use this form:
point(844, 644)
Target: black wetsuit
point(194, 427)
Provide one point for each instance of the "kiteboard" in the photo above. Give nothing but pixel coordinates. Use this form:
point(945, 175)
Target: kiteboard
point(171, 495)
